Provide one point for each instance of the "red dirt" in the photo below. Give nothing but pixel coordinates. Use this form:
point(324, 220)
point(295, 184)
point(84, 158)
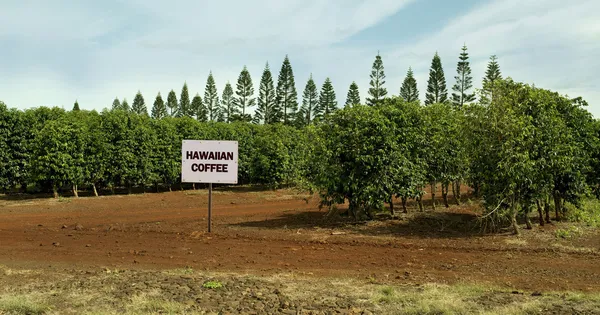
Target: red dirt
point(274, 232)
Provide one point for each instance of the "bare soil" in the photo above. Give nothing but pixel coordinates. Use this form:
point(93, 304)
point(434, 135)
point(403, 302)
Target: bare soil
point(265, 233)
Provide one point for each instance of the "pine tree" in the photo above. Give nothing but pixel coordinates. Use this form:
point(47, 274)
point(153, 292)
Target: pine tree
point(287, 97)
point(116, 105)
point(227, 103)
point(76, 106)
point(409, 91)
point(353, 96)
point(198, 108)
point(159, 109)
point(436, 85)
point(139, 106)
point(184, 103)
point(244, 99)
point(172, 103)
point(492, 75)
point(267, 111)
point(464, 80)
point(310, 102)
point(327, 100)
point(125, 105)
point(211, 98)
point(377, 92)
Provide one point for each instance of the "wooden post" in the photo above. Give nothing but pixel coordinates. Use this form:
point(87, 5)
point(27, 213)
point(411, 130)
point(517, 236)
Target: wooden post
point(209, 205)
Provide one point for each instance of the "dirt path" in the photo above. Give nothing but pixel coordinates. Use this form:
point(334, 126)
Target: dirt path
point(279, 232)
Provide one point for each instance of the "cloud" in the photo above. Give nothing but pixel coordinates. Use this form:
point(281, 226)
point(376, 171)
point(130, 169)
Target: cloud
point(98, 50)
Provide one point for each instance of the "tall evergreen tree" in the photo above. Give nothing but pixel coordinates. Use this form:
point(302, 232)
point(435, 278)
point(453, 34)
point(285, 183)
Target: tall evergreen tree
point(244, 93)
point(409, 91)
point(436, 85)
point(492, 75)
point(228, 103)
point(267, 111)
point(327, 100)
point(139, 105)
point(211, 98)
point(287, 97)
point(159, 109)
point(310, 102)
point(184, 103)
point(353, 96)
point(464, 80)
point(76, 106)
point(116, 104)
point(377, 92)
point(172, 103)
point(198, 108)
point(125, 105)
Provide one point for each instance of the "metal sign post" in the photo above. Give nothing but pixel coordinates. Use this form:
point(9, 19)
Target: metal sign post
point(209, 161)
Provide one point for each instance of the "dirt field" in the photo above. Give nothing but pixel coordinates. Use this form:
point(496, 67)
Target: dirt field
point(275, 233)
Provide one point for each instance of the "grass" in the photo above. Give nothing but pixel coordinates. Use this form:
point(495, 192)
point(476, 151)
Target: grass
point(37, 292)
point(22, 304)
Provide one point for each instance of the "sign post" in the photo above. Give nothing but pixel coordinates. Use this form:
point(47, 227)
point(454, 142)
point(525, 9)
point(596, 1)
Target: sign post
point(209, 161)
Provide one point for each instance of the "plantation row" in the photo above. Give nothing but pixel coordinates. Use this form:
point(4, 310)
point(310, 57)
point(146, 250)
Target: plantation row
point(524, 149)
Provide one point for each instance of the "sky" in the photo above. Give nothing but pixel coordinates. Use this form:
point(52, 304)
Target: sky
point(55, 52)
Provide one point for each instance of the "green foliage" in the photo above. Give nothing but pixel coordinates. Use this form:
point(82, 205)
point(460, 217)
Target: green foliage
point(198, 108)
point(588, 212)
point(492, 75)
point(172, 103)
point(464, 81)
point(76, 106)
point(211, 99)
point(327, 100)
point(116, 105)
point(185, 108)
point(244, 96)
point(159, 109)
point(212, 285)
point(353, 96)
point(125, 105)
point(310, 103)
point(287, 97)
point(409, 91)
point(139, 106)
point(436, 85)
point(228, 104)
point(377, 91)
point(268, 111)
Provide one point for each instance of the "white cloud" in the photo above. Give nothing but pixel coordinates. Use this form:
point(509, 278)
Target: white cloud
point(116, 47)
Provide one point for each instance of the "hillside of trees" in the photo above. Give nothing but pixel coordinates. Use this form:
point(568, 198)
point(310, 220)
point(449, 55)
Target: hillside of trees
point(521, 148)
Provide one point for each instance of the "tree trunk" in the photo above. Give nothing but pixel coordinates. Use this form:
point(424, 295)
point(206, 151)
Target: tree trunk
point(404, 205)
point(456, 192)
point(112, 189)
point(420, 201)
point(513, 217)
point(23, 188)
point(392, 206)
point(75, 191)
point(433, 189)
point(557, 204)
point(540, 212)
point(129, 188)
point(170, 188)
point(55, 192)
point(194, 186)
point(95, 190)
point(547, 210)
point(445, 194)
point(526, 212)
point(156, 186)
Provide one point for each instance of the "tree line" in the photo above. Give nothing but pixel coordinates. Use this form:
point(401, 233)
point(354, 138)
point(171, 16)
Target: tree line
point(521, 148)
point(280, 103)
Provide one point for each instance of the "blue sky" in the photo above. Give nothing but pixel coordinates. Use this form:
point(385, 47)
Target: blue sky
point(54, 52)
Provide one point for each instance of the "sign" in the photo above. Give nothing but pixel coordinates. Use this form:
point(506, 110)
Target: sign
point(209, 161)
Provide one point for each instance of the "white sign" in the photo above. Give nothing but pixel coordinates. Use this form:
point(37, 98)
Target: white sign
point(209, 161)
